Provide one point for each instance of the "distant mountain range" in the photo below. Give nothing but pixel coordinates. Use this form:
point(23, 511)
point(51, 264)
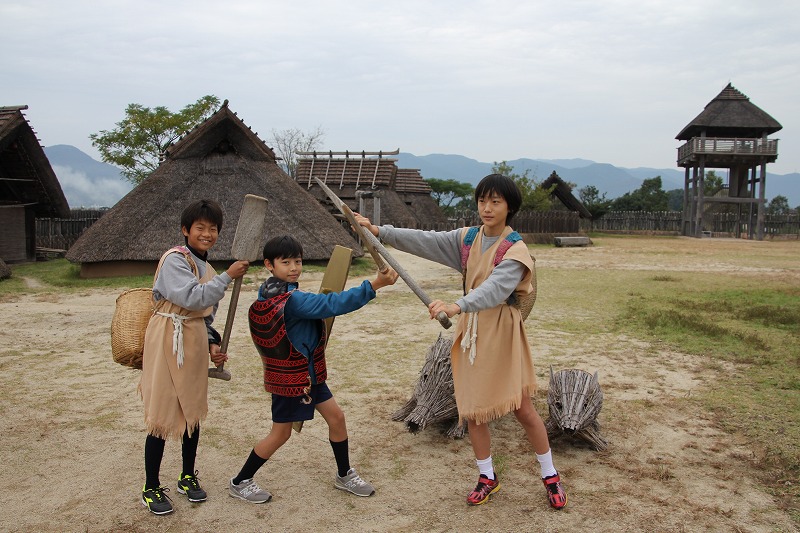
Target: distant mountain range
point(611, 180)
point(90, 183)
point(85, 181)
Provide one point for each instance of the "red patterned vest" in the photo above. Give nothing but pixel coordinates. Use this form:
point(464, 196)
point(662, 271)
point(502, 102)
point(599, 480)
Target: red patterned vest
point(285, 368)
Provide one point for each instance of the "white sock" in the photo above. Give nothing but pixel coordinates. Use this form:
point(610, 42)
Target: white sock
point(546, 462)
point(486, 467)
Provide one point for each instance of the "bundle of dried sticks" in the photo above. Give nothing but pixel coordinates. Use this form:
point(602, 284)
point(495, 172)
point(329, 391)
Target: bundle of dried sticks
point(433, 400)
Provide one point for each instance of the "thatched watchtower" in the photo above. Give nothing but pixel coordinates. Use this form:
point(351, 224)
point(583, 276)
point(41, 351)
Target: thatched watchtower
point(730, 133)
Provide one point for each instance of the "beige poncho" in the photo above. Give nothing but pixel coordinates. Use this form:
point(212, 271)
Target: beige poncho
point(175, 398)
point(501, 373)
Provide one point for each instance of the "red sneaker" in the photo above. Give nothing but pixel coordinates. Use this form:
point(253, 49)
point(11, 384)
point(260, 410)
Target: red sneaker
point(555, 492)
point(483, 490)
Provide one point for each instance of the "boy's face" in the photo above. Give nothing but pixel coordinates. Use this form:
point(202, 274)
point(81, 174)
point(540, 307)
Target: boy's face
point(201, 236)
point(493, 210)
point(285, 268)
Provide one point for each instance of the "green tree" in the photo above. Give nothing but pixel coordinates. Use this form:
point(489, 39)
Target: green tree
point(712, 183)
point(675, 200)
point(593, 201)
point(534, 196)
point(649, 197)
point(138, 142)
point(290, 141)
point(778, 206)
point(450, 194)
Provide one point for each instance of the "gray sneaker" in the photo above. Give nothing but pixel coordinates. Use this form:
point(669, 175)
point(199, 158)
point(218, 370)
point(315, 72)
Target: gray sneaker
point(352, 482)
point(248, 491)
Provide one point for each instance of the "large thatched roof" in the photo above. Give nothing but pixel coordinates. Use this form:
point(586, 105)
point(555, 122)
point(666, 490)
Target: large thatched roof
point(223, 160)
point(26, 177)
point(730, 114)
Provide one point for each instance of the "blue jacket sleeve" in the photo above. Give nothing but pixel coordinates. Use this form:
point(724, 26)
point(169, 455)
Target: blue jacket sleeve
point(309, 306)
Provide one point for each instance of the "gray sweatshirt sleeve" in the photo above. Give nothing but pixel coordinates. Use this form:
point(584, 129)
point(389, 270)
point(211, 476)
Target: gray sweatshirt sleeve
point(177, 283)
point(442, 247)
point(445, 247)
point(496, 289)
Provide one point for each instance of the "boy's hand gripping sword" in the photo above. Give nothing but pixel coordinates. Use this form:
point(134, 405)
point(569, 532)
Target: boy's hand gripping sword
point(379, 252)
point(251, 233)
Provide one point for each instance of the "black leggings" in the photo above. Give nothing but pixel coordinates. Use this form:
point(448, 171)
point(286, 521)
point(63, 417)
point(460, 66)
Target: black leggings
point(154, 452)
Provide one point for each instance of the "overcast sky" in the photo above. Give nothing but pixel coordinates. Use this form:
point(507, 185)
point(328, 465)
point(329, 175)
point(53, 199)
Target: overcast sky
point(613, 81)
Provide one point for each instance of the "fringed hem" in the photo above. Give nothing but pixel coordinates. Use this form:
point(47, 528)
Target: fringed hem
point(483, 416)
point(170, 433)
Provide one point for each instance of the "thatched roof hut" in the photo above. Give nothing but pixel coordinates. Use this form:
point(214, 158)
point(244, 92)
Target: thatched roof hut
point(563, 192)
point(220, 159)
point(28, 186)
point(730, 114)
point(348, 173)
point(416, 194)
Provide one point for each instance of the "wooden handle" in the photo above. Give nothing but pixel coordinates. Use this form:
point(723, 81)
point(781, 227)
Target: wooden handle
point(416, 289)
point(226, 335)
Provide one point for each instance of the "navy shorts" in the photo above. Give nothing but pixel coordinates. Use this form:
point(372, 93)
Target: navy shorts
point(292, 409)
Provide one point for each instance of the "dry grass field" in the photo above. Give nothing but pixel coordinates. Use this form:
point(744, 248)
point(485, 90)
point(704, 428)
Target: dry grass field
point(72, 432)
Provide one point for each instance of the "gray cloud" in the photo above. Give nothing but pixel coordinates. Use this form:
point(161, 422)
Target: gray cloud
point(610, 81)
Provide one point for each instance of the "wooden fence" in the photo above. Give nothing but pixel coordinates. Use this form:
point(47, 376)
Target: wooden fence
point(727, 224)
point(549, 222)
point(61, 233)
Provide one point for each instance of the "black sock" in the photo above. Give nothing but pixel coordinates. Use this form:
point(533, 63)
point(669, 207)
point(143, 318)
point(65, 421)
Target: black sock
point(153, 453)
point(342, 456)
point(251, 466)
point(189, 450)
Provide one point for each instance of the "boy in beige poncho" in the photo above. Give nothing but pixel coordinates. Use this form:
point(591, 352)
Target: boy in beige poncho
point(177, 345)
point(492, 368)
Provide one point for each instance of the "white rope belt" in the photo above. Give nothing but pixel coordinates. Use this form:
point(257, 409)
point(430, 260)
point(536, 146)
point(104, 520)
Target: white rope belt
point(177, 334)
point(470, 338)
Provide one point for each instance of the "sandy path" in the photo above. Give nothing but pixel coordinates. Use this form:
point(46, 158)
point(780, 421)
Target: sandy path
point(72, 434)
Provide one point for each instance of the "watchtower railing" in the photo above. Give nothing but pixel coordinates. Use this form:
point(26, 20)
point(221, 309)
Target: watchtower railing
point(727, 146)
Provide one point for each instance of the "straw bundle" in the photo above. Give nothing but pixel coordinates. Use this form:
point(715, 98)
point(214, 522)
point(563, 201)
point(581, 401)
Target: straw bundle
point(433, 400)
point(133, 310)
point(574, 402)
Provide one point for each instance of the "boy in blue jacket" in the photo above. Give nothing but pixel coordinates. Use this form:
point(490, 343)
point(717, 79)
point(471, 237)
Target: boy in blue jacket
point(287, 326)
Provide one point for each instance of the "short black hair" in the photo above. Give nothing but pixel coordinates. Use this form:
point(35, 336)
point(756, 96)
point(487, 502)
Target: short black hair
point(505, 187)
point(202, 210)
point(283, 246)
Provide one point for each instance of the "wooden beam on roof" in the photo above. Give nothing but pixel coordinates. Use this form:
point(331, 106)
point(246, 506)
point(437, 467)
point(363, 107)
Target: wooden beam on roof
point(348, 153)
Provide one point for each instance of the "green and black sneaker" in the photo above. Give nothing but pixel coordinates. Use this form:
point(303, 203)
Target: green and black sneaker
point(189, 485)
point(156, 501)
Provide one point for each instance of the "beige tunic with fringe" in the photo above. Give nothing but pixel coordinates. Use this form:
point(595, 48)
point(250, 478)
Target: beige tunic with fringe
point(175, 399)
point(502, 373)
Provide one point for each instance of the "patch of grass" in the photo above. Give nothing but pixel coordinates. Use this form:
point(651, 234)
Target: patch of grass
point(59, 275)
point(755, 327)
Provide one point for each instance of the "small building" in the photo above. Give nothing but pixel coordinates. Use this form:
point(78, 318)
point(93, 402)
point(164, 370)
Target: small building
point(28, 186)
point(220, 159)
point(731, 133)
point(358, 179)
point(416, 194)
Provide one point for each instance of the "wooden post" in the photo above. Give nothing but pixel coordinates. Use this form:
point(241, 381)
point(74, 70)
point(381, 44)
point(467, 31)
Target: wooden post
point(762, 189)
point(700, 197)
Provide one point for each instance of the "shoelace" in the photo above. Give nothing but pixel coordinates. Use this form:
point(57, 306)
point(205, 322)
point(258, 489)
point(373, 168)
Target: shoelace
point(191, 481)
point(553, 488)
point(158, 494)
point(356, 481)
point(250, 489)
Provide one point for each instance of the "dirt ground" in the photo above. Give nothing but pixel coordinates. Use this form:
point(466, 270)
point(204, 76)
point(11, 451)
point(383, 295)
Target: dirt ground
point(72, 434)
